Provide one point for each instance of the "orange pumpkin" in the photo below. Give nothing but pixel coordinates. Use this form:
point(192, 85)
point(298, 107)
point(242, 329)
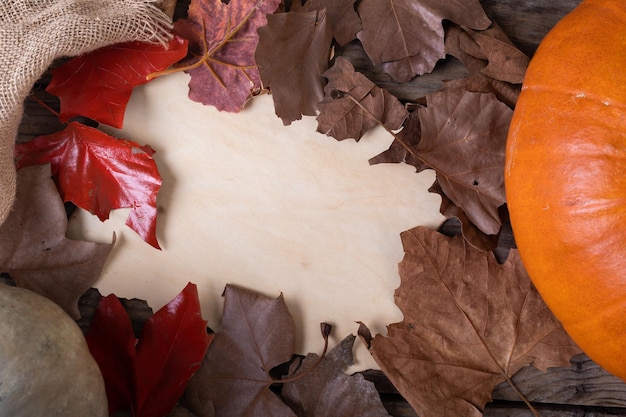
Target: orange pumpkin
point(565, 177)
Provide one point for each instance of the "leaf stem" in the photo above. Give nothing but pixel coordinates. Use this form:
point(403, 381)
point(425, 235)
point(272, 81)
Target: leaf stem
point(207, 56)
point(401, 141)
point(532, 409)
point(44, 105)
point(325, 327)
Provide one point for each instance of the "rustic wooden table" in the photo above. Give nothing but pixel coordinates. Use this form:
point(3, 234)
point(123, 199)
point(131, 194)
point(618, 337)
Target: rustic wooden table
point(580, 390)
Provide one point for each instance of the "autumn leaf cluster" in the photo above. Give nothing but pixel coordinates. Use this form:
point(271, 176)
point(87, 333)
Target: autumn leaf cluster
point(235, 372)
point(470, 320)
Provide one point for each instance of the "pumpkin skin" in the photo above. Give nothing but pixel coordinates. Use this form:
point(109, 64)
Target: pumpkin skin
point(565, 177)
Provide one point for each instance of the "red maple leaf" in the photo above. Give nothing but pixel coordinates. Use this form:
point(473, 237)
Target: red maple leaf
point(223, 39)
point(98, 84)
point(149, 375)
point(99, 173)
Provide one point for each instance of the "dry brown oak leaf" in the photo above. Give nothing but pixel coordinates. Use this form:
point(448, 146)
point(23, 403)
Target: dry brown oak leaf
point(34, 249)
point(292, 54)
point(406, 37)
point(463, 138)
point(469, 324)
point(257, 335)
point(494, 64)
point(353, 104)
point(222, 41)
point(327, 391)
point(342, 16)
point(399, 152)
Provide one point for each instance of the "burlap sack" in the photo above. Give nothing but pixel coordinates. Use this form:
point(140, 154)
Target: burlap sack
point(35, 32)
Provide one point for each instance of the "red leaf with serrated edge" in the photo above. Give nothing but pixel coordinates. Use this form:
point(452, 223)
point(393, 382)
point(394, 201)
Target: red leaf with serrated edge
point(112, 344)
point(149, 378)
point(171, 349)
point(99, 173)
point(98, 84)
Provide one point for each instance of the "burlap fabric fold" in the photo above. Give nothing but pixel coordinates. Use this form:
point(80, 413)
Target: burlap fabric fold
point(33, 33)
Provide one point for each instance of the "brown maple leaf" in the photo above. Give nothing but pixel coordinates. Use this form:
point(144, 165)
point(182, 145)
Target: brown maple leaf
point(257, 335)
point(325, 391)
point(293, 51)
point(33, 247)
point(406, 37)
point(469, 324)
point(222, 41)
point(353, 104)
point(463, 140)
point(462, 136)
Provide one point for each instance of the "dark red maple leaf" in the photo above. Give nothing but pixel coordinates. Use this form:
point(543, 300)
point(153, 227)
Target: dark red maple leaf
point(99, 173)
point(223, 38)
point(98, 84)
point(148, 376)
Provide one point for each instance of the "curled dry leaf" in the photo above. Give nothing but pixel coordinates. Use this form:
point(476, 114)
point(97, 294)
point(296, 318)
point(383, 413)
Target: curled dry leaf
point(257, 335)
point(476, 59)
point(504, 61)
point(406, 37)
point(293, 51)
point(33, 247)
point(325, 391)
point(469, 324)
point(99, 173)
point(353, 104)
point(223, 38)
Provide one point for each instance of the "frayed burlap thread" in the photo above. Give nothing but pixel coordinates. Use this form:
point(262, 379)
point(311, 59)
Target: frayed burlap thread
point(33, 33)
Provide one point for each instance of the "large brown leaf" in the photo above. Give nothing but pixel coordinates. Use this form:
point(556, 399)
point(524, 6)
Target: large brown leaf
point(407, 36)
point(325, 391)
point(257, 335)
point(463, 140)
point(33, 247)
point(462, 136)
point(353, 104)
point(293, 51)
point(469, 324)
